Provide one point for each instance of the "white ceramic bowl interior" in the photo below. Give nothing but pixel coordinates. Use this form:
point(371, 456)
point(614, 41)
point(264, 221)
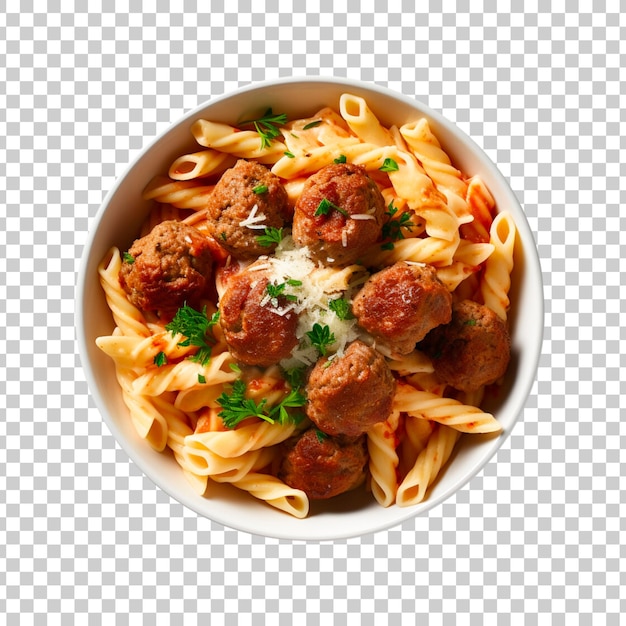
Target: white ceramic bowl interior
point(118, 222)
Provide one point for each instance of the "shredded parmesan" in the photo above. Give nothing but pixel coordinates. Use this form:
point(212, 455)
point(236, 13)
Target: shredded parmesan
point(253, 221)
point(313, 286)
point(363, 216)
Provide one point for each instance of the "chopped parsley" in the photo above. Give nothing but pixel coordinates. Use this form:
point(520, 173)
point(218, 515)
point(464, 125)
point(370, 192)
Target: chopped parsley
point(236, 407)
point(259, 189)
point(295, 376)
point(274, 291)
point(389, 165)
point(320, 435)
point(321, 337)
point(201, 379)
point(272, 236)
point(289, 155)
point(392, 229)
point(160, 359)
point(341, 308)
point(195, 326)
point(325, 206)
point(128, 258)
point(267, 126)
point(342, 158)
point(312, 124)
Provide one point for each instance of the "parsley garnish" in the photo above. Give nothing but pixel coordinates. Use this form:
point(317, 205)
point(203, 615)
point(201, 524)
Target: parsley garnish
point(341, 308)
point(321, 337)
point(320, 435)
point(272, 236)
point(259, 189)
point(342, 158)
point(266, 126)
point(312, 124)
point(289, 155)
point(275, 291)
point(236, 407)
point(295, 376)
point(325, 206)
point(470, 322)
point(201, 379)
point(128, 258)
point(160, 359)
point(194, 325)
point(389, 165)
point(392, 229)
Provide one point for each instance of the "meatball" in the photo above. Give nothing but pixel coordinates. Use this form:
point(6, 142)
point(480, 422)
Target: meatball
point(337, 236)
point(324, 466)
point(247, 191)
point(256, 328)
point(350, 393)
point(167, 268)
point(473, 350)
point(401, 304)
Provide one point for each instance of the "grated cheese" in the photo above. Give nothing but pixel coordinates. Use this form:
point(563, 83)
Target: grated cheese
point(253, 220)
point(318, 285)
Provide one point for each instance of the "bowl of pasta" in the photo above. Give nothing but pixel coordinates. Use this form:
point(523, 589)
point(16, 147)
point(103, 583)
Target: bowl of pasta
point(310, 309)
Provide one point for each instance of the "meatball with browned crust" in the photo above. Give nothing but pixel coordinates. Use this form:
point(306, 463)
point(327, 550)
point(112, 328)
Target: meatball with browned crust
point(247, 199)
point(167, 268)
point(324, 466)
point(400, 304)
point(339, 214)
point(473, 350)
point(256, 327)
point(348, 394)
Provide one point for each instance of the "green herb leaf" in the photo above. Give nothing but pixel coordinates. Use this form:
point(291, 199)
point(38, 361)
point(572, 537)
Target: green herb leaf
point(274, 291)
point(160, 359)
point(295, 376)
point(260, 189)
point(392, 229)
point(341, 308)
point(312, 124)
point(201, 379)
point(236, 407)
point(289, 155)
point(320, 435)
point(342, 158)
point(389, 165)
point(128, 258)
point(321, 337)
point(272, 236)
point(325, 206)
point(266, 126)
point(195, 326)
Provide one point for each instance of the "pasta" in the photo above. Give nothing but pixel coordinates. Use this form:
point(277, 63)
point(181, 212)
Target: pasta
point(446, 220)
point(498, 266)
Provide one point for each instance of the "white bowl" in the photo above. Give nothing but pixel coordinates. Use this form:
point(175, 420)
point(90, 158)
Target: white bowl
point(118, 222)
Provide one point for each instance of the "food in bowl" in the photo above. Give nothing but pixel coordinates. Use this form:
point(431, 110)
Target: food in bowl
point(314, 305)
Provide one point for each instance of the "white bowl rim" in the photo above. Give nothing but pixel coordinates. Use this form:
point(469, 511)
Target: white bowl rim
point(531, 259)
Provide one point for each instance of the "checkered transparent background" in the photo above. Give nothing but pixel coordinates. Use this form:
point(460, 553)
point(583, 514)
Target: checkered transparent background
point(538, 535)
